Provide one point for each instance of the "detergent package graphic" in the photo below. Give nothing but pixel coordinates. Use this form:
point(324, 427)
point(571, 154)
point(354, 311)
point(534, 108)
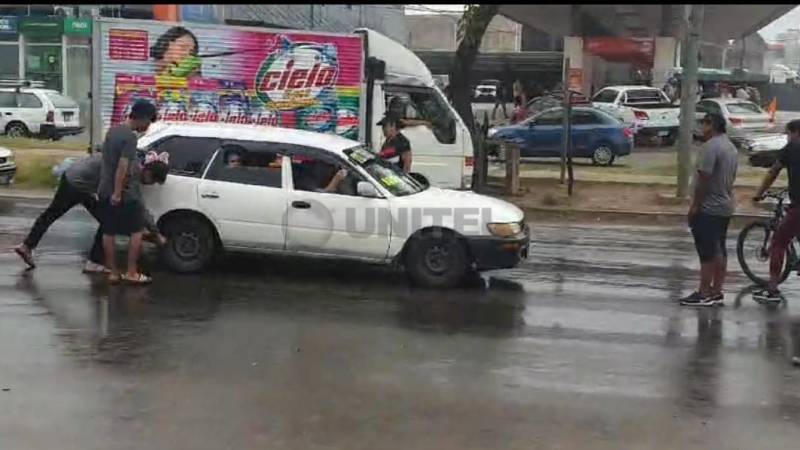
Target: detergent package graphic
point(172, 98)
point(129, 89)
point(234, 104)
point(203, 100)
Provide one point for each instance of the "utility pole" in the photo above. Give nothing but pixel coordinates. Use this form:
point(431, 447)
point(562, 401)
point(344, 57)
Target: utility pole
point(688, 97)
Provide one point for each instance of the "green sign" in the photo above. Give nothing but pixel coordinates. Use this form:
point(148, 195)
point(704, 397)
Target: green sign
point(78, 26)
point(41, 26)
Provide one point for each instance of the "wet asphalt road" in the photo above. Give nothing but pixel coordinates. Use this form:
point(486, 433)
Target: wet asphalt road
point(581, 347)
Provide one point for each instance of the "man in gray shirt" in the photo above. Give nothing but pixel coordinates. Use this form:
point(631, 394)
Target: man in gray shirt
point(119, 195)
point(713, 204)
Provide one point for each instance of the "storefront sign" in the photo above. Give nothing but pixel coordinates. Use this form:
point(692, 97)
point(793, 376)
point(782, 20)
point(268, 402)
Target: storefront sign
point(41, 27)
point(620, 49)
point(78, 26)
point(8, 25)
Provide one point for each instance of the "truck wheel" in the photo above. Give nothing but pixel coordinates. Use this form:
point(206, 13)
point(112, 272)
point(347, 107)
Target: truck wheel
point(436, 260)
point(603, 155)
point(16, 130)
point(191, 244)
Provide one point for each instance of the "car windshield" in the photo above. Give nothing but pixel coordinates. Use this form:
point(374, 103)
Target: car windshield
point(391, 177)
point(60, 101)
point(743, 108)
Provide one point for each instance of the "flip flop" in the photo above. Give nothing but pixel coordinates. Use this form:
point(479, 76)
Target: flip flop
point(141, 279)
point(26, 256)
point(114, 278)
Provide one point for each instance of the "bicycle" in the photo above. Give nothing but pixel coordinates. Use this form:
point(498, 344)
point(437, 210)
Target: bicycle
point(755, 239)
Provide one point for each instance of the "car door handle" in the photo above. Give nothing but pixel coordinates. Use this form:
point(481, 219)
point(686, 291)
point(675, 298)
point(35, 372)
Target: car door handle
point(210, 195)
point(8, 113)
point(301, 205)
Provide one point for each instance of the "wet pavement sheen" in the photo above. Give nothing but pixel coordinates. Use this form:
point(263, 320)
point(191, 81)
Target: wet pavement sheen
point(582, 346)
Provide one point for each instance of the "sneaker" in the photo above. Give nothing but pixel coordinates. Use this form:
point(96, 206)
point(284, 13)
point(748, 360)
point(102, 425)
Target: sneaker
point(768, 296)
point(719, 299)
point(92, 267)
point(698, 299)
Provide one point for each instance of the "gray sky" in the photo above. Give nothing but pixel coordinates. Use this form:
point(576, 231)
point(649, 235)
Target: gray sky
point(788, 20)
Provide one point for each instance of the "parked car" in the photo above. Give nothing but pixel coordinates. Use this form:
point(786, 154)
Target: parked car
point(745, 120)
point(8, 167)
point(38, 112)
point(487, 90)
point(595, 134)
point(553, 100)
point(275, 203)
point(649, 109)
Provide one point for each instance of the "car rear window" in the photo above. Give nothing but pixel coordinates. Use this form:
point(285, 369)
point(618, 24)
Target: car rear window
point(743, 108)
point(644, 96)
point(606, 96)
point(61, 101)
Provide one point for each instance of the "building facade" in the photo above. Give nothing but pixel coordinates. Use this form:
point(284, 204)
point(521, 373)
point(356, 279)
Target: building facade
point(438, 32)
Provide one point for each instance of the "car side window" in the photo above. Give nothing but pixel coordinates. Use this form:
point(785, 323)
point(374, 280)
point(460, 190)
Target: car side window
point(701, 107)
point(28, 101)
point(236, 164)
point(8, 100)
point(316, 172)
point(606, 96)
point(422, 104)
point(188, 156)
point(713, 108)
point(555, 117)
point(585, 118)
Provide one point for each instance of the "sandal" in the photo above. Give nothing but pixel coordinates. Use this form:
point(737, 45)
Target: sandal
point(114, 278)
point(26, 256)
point(140, 279)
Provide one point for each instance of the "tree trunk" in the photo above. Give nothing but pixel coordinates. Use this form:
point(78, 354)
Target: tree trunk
point(471, 29)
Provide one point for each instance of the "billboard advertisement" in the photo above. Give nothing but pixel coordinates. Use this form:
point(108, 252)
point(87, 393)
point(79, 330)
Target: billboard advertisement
point(207, 73)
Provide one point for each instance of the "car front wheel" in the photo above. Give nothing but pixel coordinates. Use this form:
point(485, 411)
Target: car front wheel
point(191, 244)
point(437, 260)
point(603, 155)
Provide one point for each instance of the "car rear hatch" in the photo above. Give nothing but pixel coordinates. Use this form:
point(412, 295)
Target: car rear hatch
point(66, 113)
point(748, 116)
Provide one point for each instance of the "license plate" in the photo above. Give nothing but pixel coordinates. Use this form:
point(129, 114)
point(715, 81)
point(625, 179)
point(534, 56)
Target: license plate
point(4, 179)
point(67, 116)
point(663, 133)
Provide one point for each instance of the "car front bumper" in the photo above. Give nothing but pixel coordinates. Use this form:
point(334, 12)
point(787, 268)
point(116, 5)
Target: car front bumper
point(7, 173)
point(499, 253)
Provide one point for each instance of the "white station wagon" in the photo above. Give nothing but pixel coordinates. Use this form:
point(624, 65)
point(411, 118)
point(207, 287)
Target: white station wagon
point(275, 190)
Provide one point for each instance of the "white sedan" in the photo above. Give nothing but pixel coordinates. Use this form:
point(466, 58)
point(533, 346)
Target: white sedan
point(747, 124)
point(274, 190)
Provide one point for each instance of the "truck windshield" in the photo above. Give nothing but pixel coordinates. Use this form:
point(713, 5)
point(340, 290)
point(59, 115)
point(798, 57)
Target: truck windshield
point(387, 174)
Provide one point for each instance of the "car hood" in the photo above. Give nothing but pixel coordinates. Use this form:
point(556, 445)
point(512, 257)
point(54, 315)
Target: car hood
point(433, 197)
point(5, 153)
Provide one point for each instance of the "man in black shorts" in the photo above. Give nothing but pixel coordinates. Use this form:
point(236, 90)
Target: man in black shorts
point(713, 204)
point(119, 191)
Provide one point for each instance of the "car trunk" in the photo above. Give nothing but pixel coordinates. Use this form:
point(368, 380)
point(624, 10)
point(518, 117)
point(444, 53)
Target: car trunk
point(67, 117)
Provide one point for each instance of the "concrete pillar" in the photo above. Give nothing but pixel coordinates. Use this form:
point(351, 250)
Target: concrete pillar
point(663, 59)
point(573, 51)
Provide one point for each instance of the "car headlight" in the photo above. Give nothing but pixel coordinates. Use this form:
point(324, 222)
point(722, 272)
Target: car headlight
point(492, 131)
point(10, 158)
point(504, 229)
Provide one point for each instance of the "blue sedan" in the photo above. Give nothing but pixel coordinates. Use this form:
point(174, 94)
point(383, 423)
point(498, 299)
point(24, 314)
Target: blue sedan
point(595, 135)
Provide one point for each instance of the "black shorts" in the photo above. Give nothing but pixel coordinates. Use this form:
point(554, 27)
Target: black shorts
point(121, 220)
point(710, 233)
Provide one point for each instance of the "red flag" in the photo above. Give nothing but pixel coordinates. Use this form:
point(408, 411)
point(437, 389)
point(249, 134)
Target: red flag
point(772, 109)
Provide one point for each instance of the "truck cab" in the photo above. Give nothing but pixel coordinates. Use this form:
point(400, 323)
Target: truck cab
point(442, 152)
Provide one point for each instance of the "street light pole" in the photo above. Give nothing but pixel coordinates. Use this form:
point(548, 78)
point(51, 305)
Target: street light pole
point(688, 97)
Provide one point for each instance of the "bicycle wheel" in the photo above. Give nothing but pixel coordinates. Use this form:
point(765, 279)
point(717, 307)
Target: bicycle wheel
point(752, 249)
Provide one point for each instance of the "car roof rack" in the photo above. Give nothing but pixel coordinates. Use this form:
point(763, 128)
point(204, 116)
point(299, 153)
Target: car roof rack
point(18, 84)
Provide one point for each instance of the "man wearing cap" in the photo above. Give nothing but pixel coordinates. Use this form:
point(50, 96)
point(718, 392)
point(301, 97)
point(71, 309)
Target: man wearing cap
point(396, 148)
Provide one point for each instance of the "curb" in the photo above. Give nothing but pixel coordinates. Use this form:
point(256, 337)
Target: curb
point(25, 195)
point(651, 214)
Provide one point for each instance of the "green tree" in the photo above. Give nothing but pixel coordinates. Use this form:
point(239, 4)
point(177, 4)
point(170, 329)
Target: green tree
point(471, 28)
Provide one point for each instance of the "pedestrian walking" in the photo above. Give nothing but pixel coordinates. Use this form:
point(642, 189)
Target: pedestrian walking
point(713, 204)
point(500, 101)
point(789, 158)
point(119, 192)
point(741, 93)
point(519, 114)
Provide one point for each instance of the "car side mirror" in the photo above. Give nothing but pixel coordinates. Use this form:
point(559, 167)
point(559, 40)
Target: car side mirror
point(420, 178)
point(366, 189)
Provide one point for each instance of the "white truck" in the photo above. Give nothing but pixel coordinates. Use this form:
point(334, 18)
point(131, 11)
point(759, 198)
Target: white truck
point(649, 109)
point(324, 82)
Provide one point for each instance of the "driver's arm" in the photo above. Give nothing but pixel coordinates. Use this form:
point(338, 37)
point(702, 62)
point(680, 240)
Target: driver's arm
point(333, 185)
point(405, 159)
point(771, 175)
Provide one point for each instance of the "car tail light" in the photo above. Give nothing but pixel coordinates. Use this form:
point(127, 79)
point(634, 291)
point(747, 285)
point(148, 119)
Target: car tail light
point(737, 122)
point(51, 116)
point(627, 132)
point(469, 161)
point(641, 115)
